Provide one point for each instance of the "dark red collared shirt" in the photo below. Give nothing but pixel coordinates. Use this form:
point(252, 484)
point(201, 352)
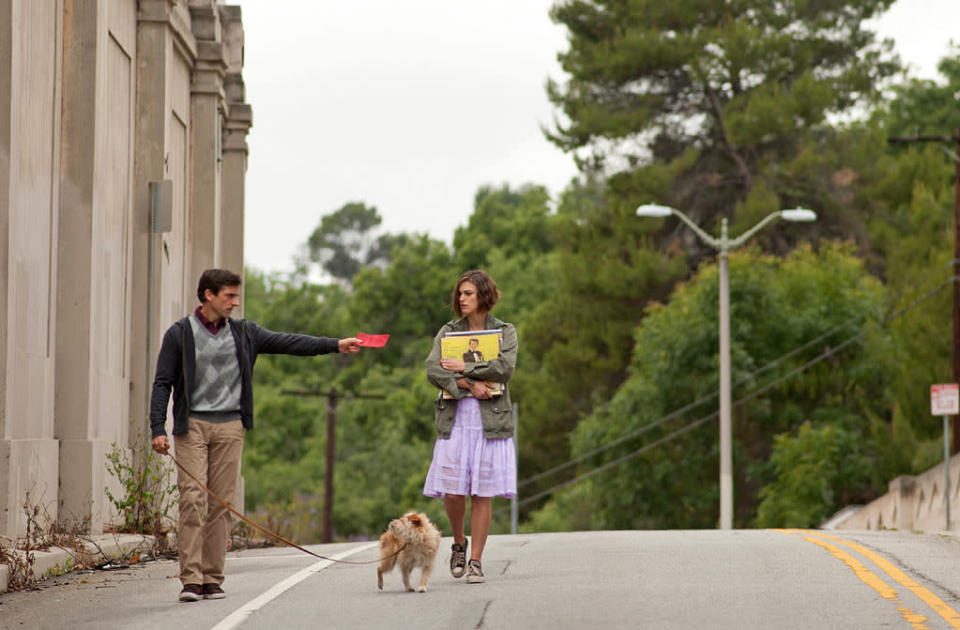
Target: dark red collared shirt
point(214, 328)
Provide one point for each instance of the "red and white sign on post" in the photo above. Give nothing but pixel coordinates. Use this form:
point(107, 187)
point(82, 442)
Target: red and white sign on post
point(945, 399)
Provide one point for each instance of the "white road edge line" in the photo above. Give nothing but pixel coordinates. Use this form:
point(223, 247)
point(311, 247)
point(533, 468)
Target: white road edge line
point(240, 615)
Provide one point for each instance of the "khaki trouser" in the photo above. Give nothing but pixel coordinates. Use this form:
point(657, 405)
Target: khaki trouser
point(210, 451)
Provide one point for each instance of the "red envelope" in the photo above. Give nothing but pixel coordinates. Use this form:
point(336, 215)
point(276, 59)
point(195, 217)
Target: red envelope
point(372, 341)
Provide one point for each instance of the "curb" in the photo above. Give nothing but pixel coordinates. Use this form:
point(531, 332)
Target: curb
point(58, 561)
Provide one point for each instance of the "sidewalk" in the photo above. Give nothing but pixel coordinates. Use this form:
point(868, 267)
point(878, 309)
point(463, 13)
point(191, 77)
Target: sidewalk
point(98, 550)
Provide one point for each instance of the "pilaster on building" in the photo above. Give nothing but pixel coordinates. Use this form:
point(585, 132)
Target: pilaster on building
point(234, 148)
point(98, 100)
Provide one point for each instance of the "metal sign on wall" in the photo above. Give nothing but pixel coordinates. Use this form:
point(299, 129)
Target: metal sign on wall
point(945, 399)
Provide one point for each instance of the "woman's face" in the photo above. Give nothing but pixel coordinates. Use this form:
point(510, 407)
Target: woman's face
point(467, 297)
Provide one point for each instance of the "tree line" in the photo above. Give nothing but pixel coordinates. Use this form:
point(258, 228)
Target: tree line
point(725, 111)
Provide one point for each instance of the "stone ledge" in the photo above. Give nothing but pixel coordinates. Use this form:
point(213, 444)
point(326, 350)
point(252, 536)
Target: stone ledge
point(57, 561)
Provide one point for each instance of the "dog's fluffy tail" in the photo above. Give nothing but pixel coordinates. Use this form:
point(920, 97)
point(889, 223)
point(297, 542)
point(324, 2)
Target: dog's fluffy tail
point(389, 545)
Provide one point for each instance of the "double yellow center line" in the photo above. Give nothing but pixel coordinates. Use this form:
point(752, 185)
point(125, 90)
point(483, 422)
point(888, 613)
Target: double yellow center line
point(875, 582)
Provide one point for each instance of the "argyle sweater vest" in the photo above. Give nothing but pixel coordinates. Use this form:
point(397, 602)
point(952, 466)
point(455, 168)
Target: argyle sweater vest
point(216, 384)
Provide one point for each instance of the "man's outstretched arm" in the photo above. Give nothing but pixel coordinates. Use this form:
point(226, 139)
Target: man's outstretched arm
point(270, 342)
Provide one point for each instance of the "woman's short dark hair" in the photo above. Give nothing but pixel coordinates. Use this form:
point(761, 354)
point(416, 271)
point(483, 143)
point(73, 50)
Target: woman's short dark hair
point(216, 279)
point(487, 292)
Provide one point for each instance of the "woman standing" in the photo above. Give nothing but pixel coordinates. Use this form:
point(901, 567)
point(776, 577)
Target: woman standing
point(474, 454)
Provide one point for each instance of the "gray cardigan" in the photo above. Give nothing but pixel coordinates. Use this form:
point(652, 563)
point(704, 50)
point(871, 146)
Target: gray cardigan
point(176, 365)
point(497, 412)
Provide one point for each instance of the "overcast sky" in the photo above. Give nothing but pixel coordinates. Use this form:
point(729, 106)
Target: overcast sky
point(411, 105)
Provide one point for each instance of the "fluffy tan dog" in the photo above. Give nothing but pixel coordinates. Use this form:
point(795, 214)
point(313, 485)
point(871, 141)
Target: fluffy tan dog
point(411, 541)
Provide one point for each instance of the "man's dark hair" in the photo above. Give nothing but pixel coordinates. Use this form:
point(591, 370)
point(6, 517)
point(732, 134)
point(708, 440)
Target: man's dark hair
point(216, 279)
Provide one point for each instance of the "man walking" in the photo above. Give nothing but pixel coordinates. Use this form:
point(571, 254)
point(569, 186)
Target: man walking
point(206, 360)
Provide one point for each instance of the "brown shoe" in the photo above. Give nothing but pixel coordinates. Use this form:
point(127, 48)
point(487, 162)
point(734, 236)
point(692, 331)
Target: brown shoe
point(191, 593)
point(213, 591)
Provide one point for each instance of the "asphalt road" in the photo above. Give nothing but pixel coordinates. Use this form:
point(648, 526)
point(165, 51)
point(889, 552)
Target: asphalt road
point(631, 579)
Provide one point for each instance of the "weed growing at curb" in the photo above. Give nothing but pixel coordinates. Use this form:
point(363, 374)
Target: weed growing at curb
point(149, 490)
point(145, 505)
point(42, 533)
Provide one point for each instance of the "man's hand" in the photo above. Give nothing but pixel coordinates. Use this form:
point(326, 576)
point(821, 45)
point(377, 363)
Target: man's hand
point(349, 345)
point(160, 444)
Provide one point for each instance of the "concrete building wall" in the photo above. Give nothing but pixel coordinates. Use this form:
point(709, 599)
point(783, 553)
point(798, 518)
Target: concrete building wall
point(207, 106)
point(175, 286)
point(234, 149)
point(29, 211)
point(94, 256)
point(98, 98)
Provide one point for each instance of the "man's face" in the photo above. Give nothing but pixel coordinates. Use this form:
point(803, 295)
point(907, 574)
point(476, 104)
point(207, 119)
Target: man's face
point(474, 344)
point(223, 303)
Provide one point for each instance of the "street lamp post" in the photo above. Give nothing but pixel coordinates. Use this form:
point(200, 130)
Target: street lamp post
point(723, 245)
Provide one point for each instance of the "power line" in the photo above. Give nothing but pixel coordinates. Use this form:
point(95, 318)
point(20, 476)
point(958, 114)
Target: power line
point(825, 354)
point(616, 462)
point(673, 414)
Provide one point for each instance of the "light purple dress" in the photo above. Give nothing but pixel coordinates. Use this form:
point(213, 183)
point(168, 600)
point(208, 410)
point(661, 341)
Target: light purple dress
point(468, 463)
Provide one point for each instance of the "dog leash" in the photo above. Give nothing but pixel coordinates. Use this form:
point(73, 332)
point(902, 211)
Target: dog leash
point(266, 531)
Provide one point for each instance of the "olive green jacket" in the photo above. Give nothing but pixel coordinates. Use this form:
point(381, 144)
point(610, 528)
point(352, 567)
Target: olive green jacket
point(497, 412)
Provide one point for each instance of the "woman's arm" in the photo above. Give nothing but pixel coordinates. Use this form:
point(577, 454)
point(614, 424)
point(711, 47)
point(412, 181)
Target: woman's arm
point(479, 389)
point(500, 369)
point(436, 374)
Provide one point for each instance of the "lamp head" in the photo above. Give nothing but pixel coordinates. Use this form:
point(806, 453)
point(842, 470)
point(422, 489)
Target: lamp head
point(654, 210)
point(798, 214)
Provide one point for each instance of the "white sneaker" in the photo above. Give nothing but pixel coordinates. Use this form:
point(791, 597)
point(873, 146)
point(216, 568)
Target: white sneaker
point(475, 573)
point(458, 559)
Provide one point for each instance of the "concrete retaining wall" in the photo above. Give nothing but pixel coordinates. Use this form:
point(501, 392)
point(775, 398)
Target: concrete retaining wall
point(914, 503)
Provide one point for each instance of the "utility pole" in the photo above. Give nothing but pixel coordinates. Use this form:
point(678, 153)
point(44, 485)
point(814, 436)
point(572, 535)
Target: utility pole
point(332, 396)
point(955, 154)
point(328, 470)
point(723, 245)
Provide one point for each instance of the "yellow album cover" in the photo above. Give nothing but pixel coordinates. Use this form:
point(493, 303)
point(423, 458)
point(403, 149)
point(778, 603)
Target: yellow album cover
point(473, 346)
